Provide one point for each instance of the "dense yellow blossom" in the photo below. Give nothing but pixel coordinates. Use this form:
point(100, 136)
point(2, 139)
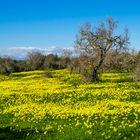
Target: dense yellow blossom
point(65, 105)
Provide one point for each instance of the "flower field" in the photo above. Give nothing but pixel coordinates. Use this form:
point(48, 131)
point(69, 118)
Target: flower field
point(62, 107)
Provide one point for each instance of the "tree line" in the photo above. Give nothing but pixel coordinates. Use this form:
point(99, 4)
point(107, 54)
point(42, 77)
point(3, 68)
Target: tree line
point(119, 62)
point(33, 61)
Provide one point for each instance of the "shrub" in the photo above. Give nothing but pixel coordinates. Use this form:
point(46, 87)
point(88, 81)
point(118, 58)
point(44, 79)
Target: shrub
point(48, 74)
point(136, 76)
point(7, 66)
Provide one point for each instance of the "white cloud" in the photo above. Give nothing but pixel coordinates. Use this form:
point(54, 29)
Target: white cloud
point(21, 52)
point(30, 49)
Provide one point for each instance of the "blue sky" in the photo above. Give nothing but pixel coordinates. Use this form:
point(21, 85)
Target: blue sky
point(50, 25)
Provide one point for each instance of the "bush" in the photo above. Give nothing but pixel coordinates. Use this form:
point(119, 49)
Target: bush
point(35, 61)
point(7, 66)
point(136, 76)
point(48, 74)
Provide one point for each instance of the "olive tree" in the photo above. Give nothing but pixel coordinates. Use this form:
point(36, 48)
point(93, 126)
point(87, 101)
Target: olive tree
point(98, 42)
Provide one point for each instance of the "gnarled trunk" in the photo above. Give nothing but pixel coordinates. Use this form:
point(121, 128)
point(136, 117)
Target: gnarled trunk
point(95, 77)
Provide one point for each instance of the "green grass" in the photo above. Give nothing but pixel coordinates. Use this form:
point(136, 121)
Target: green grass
point(63, 107)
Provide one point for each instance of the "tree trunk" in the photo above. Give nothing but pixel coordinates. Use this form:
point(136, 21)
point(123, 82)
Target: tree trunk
point(95, 77)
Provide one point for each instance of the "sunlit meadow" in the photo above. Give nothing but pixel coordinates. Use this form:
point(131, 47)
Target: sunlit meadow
point(63, 107)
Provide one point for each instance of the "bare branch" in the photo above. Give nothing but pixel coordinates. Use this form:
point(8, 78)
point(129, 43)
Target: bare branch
point(97, 43)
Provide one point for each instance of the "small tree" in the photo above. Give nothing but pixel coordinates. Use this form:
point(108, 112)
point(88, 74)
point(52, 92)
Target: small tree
point(65, 59)
point(51, 62)
point(136, 75)
point(7, 66)
point(96, 44)
point(35, 61)
point(120, 61)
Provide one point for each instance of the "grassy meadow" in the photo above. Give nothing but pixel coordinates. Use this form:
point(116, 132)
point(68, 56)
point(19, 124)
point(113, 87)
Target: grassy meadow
point(62, 107)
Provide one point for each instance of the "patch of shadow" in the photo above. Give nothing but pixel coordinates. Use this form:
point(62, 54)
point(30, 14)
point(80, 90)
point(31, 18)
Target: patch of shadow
point(8, 134)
